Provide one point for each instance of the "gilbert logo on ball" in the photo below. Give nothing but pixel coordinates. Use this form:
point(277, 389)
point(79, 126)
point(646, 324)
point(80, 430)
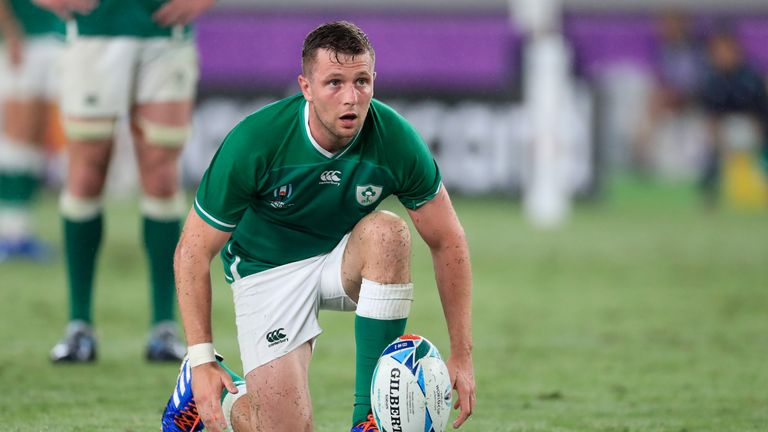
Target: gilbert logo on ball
point(411, 388)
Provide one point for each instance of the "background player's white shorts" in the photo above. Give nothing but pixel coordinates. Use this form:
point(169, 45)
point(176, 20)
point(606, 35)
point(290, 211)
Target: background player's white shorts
point(37, 75)
point(105, 76)
point(276, 310)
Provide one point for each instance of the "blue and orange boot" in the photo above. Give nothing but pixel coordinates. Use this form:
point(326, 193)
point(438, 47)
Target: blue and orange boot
point(180, 413)
point(369, 425)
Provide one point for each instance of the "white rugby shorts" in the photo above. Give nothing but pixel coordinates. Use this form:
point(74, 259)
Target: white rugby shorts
point(37, 77)
point(276, 310)
point(106, 76)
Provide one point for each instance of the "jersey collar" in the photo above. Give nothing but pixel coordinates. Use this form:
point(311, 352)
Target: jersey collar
point(317, 146)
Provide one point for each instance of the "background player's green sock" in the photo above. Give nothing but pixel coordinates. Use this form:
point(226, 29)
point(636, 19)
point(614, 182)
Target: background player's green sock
point(382, 312)
point(83, 226)
point(20, 171)
point(160, 238)
point(82, 240)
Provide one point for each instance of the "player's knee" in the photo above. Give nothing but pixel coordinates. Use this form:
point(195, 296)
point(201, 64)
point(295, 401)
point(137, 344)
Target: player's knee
point(89, 129)
point(160, 183)
point(158, 134)
point(168, 208)
point(386, 231)
point(79, 209)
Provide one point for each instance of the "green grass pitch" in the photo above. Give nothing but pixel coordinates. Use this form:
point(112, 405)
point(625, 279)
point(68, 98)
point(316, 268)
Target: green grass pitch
point(645, 313)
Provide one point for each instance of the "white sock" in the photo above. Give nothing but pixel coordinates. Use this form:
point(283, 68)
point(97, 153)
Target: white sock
point(229, 402)
point(384, 301)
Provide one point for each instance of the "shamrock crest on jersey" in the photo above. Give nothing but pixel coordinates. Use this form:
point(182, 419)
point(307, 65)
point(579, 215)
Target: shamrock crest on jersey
point(367, 194)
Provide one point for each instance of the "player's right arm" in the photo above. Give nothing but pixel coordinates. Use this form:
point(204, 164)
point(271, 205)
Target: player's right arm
point(198, 245)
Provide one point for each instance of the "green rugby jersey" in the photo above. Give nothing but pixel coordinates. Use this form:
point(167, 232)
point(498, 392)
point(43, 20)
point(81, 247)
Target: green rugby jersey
point(124, 18)
point(34, 20)
point(285, 198)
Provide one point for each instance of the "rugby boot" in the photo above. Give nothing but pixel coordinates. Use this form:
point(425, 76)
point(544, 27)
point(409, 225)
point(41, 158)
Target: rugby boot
point(369, 425)
point(77, 346)
point(180, 413)
point(164, 344)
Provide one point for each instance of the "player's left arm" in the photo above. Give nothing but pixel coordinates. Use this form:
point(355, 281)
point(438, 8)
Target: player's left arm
point(439, 226)
point(181, 12)
point(12, 34)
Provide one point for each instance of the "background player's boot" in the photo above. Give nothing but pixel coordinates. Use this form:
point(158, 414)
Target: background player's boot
point(163, 344)
point(77, 346)
point(33, 249)
point(28, 248)
point(6, 249)
point(368, 425)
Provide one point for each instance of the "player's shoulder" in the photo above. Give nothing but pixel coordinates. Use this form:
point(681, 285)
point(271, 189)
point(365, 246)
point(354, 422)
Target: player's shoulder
point(268, 123)
point(283, 111)
point(390, 124)
point(386, 113)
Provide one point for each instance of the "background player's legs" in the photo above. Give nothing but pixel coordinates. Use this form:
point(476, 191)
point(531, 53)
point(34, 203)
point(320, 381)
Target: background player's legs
point(89, 147)
point(278, 396)
point(159, 131)
point(22, 162)
point(376, 273)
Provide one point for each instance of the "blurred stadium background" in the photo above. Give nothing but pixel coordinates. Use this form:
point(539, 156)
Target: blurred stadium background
point(465, 74)
point(642, 310)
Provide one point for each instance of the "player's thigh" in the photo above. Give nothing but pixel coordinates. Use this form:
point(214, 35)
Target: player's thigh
point(27, 89)
point(278, 393)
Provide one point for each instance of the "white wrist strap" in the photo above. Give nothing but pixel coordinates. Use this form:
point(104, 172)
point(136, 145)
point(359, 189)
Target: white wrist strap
point(200, 354)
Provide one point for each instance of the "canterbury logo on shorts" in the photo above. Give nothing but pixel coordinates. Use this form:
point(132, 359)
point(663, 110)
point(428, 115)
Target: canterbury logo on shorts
point(276, 337)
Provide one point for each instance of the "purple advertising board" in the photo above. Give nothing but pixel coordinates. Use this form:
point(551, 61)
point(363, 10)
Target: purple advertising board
point(433, 52)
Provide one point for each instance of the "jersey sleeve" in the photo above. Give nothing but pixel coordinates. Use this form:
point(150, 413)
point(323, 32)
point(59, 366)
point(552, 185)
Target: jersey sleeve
point(419, 176)
point(229, 183)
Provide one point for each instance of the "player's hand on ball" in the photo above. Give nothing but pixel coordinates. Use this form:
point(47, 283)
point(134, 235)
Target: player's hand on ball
point(463, 381)
point(208, 382)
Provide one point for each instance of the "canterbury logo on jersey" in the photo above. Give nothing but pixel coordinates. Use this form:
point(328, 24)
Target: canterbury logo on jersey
point(276, 336)
point(330, 177)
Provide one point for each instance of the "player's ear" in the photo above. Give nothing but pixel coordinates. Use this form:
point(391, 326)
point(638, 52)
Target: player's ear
point(304, 86)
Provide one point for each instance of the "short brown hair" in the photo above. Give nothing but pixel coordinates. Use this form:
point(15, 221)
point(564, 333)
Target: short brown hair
point(339, 37)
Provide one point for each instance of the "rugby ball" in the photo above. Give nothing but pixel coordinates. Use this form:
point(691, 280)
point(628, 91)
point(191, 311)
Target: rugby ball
point(411, 388)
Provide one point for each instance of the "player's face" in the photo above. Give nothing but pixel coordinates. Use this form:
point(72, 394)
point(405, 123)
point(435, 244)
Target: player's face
point(339, 92)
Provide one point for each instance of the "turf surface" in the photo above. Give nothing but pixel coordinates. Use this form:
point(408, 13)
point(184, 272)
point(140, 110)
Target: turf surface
point(645, 313)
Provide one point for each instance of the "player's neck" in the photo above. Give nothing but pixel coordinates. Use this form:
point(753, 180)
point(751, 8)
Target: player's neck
point(323, 137)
